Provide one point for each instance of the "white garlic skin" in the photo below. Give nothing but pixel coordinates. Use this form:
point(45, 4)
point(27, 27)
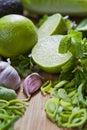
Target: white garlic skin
point(9, 76)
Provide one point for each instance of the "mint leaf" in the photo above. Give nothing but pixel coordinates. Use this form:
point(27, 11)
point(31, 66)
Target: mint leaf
point(64, 44)
point(76, 43)
point(24, 65)
point(73, 43)
point(76, 35)
point(76, 48)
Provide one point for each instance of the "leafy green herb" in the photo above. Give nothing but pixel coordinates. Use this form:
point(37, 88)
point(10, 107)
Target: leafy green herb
point(71, 42)
point(71, 87)
point(24, 65)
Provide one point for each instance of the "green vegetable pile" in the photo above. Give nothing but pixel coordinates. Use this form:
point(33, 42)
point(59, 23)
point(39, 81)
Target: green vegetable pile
point(10, 111)
point(68, 103)
point(67, 106)
point(11, 108)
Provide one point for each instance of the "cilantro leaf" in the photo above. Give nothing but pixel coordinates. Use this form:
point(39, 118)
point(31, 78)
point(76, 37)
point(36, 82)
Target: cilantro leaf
point(64, 44)
point(73, 43)
point(24, 65)
point(75, 35)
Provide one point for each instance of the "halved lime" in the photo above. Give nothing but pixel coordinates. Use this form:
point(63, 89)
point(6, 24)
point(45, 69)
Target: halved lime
point(55, 24)
point(46, 56)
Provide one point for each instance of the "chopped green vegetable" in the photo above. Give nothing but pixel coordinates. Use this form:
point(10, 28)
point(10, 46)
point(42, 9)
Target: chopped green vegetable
point(46, 87)
point(51, 108)
point(71, 87)
point(10, 112)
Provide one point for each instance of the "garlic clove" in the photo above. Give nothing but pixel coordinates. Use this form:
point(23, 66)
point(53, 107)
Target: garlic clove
point(9, 76)
point(32, 83)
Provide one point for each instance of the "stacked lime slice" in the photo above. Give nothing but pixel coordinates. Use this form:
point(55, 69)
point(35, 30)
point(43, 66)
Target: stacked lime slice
point(45, 52)
point(55, 24)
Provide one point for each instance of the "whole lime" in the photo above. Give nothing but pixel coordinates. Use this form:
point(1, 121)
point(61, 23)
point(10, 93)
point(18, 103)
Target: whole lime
point(18, 35)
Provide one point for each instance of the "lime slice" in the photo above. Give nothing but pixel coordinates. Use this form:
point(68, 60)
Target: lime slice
point(55, 24)
point(46, 56)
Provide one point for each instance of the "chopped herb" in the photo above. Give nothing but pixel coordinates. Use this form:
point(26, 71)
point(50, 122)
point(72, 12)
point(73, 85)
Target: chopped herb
point(24, 65)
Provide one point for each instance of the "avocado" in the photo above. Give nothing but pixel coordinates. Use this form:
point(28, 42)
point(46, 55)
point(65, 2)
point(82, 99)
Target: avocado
point(10, 7)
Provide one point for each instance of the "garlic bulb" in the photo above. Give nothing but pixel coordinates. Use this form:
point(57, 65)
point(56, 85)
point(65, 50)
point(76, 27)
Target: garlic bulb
point(9, 76)
point(32, 83)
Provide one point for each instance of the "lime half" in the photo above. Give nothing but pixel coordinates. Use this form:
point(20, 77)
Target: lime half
point(55, 24)
point(46, 56)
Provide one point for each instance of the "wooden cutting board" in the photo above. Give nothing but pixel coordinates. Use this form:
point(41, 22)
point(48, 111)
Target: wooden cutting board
point(35, 117)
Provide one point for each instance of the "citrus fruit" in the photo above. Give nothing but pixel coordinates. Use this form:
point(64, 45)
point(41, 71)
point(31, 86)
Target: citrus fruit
point(18, 35)
point(46, 56)
point(55, 24)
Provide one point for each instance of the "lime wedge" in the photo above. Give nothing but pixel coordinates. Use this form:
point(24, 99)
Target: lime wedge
point(55, 24)
point(46, 56)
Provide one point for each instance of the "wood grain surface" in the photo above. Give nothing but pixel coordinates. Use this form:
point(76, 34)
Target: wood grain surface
point(35, 117)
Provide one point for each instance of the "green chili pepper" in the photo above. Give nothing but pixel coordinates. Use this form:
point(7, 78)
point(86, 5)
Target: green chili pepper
point(18, 101)
point(75, 100)
point(3, 103)
point(3, 111)
point(5, 117)
point(72, 93)
point(61, 123)
point(16, 107)
point(46, 87)
point(62, 94)
point(9, 123)
point(10, 111)
point(60, 84)
point(70, 84)
point(81, 95)
point(19, 113)
point(51, 108)
point(66, 105)
point(77, 118)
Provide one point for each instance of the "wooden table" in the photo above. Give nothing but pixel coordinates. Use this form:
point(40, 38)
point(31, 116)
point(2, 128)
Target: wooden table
point(35, 117)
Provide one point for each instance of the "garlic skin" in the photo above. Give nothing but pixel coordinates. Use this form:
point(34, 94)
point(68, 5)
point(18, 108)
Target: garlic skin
point(9, 76)
point(32, 83)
